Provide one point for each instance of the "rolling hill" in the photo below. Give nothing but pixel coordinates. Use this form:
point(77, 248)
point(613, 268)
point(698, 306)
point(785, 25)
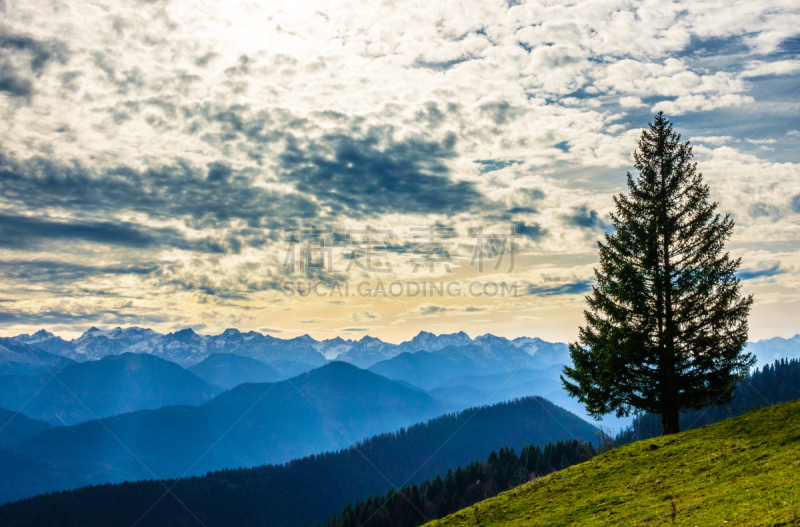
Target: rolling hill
point(308, 490)
point(742, 471)
point(111, 386)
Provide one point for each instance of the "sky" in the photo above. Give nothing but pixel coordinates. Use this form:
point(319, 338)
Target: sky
point(172, 164)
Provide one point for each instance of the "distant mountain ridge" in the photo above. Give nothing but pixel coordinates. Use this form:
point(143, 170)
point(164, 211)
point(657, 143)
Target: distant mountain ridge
point(110, 386)
point(19, 358)
point(768, 351)
point(188, 348)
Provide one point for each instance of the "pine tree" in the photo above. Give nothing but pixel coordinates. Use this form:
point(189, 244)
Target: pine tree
point(666, 322)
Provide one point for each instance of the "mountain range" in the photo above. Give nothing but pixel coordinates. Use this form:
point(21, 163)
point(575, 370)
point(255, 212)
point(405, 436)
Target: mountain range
point(323, 410)
point(306, 491)
point(18, 358)
point(189, 348)
point(110, 386)
point(14, 427)
point(229, 370)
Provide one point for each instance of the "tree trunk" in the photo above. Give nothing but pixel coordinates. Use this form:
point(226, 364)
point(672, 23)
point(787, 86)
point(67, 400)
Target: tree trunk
point(670, 422)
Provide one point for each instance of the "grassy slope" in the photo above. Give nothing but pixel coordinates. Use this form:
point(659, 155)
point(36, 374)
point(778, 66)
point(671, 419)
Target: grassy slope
point(744, 471)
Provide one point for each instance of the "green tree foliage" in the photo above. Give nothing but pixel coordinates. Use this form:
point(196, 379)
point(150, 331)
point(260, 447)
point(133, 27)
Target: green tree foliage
point(666, 322)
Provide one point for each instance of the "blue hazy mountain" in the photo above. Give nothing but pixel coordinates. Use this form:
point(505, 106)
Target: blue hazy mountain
point(15, 426)
point(433, 369)
point(18, 358)
point(113, 385)
point(308, 490)
point(323, 410)
point(767, 351)
point(187, 348)
point(229, 370)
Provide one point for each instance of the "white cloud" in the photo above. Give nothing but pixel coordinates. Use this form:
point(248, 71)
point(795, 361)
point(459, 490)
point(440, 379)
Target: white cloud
point(778, 67)
point(630, 102)
point(714, 140)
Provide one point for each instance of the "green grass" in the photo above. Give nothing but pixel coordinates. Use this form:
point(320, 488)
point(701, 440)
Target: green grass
point(743, 471)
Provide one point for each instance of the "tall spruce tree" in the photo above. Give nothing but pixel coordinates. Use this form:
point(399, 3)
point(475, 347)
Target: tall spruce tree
point(666, 322)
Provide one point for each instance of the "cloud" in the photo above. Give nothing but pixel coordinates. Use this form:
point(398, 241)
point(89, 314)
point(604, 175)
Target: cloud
point(714, 140)
point(23, 58)
point(795, 204)
point(378, 174)
point(764, 210)
point(55, 272)
point(127, 163)
point(777, 67)
point(362, 315)
point(583, 217)
point(694, 103)
point(630, 102)
point(533, 231)
point(754, 274)
point(25, 232)
point(215, 192)
point(426, 310)
point(571, 288)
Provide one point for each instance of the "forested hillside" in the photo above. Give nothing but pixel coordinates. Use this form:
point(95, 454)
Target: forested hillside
point(413, 505)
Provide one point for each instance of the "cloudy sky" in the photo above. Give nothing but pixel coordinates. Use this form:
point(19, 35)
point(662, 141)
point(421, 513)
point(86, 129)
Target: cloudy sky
point(153, 153)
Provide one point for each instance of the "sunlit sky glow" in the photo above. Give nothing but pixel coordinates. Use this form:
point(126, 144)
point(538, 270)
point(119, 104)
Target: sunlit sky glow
point(152, 153)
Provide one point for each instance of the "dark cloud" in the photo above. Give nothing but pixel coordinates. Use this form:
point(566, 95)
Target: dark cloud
point(39, 52)
point(23, 58)
point(431, 310)
point(533, 194)
point(500, 112)
point(377, 174)
point(751, 274)
point(431, 115)
point(583, 217)
point(13, 82)
point(212, 195)
point(530, 197)
point(796, 204)
point(64, 272)
point(533, 231)
point(441, 65)
point(761, 210)
point(23, 232)
point(571, 288)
